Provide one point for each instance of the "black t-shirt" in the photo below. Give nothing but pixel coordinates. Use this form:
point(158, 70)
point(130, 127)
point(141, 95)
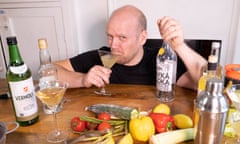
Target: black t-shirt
point(142, 73)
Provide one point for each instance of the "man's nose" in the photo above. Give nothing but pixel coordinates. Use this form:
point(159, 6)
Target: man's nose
point(114, 43)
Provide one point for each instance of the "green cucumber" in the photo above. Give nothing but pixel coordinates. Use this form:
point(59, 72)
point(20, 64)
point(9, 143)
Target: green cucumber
point(118, 111)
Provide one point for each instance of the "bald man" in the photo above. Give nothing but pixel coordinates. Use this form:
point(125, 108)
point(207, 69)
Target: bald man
point(126, 34)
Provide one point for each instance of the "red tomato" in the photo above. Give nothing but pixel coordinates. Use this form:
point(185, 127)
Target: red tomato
point(104, 126)
point(91, 126)
point(104, 116)
point(77, 124)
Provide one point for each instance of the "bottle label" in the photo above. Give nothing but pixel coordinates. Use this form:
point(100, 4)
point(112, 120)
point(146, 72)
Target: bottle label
point(165, 75)
point(18, 69)
point(24, 98)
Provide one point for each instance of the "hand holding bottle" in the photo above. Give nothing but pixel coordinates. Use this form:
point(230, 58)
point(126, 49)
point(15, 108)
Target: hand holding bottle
point(171, 32)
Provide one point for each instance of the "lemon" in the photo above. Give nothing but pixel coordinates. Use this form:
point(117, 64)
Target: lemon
point(182, 121)
point(161, 51)
point(127, 139)
point(162, 108)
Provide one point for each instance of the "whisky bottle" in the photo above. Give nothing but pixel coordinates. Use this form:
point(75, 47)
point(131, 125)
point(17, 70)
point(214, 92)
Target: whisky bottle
point(166, 66)
point(47, 71)
point(21, 86)
point(213, 67)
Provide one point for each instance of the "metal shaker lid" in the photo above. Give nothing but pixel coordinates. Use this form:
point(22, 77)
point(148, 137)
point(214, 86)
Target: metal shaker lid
point(214, 85)
point(212, 100)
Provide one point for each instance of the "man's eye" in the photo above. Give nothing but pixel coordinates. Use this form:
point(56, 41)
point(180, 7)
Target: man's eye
point(122, 38)
point(109, 37)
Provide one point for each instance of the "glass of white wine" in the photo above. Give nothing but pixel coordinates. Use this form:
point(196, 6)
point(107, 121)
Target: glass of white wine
point(51, 94)
point(234, 94)
point(108, 59)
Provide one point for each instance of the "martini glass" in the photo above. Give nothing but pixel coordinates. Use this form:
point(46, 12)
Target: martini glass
point(234, 94)
point(51, 94)
point(108, 59)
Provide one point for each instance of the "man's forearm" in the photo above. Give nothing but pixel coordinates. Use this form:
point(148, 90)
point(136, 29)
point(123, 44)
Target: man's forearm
point(193, 62)
point(74, 79)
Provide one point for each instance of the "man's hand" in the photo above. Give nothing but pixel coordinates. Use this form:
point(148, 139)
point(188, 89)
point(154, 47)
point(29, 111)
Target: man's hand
point(171, 32)
point(97, 75)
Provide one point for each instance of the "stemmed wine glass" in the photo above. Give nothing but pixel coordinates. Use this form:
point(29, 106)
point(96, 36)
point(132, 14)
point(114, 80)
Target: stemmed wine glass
point(108, 59)
point(234, 94)
point(51, 94)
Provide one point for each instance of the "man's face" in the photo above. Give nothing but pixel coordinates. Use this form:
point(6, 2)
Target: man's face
point(125, 39)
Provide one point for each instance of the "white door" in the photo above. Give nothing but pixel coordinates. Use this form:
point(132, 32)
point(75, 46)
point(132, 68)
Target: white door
point(30, 24)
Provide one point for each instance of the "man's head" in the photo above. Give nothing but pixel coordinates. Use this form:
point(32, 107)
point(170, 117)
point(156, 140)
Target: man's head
point(126, 31)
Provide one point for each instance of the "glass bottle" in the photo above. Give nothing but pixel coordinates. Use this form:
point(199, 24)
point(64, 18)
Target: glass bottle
point(47, 71)
point(166, 66)
point(213, 67)
point(21, 86)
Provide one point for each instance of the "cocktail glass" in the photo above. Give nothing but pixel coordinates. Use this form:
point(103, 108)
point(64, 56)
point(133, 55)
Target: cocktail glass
point(51, 94)
point(108, 59)
point(234, 94)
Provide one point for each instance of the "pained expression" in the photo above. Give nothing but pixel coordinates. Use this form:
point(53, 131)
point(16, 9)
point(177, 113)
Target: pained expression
point(125, 39)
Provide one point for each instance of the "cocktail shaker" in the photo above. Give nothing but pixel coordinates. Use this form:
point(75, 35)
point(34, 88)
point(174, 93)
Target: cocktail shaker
point(211, 108)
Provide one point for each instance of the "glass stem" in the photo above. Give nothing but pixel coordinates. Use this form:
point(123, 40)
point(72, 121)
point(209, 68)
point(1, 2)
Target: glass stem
point(56, 122)
point(103, 90)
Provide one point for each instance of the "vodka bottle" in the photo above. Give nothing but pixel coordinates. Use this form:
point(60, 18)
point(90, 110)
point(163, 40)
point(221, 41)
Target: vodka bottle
point(166, 65)
point(21, 86)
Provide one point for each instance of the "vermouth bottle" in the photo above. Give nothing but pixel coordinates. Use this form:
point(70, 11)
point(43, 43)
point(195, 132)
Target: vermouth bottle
point(21, 86)
point(166, 66)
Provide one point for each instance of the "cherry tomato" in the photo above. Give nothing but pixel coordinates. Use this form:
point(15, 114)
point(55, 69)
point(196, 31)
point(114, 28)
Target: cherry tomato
point(104, 116)
point(91, 126)
point(104, 126)
point(77, 124)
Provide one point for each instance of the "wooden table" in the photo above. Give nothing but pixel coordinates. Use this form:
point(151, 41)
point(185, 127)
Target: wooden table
point(139, 96)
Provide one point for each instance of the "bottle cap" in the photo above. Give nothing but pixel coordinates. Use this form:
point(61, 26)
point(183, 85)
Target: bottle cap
point(11, 40)
point(216, 44)
point(42, 43)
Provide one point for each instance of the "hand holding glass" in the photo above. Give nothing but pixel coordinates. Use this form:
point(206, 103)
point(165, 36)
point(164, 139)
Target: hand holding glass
point(51, 93)
point(108, 59)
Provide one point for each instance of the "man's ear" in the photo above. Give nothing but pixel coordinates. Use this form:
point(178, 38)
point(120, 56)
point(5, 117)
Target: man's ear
point(143, 37)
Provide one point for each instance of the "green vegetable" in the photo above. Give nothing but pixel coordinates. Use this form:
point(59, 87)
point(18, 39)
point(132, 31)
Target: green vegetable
point(98, 121)
point(121, 112)
point(173, 137)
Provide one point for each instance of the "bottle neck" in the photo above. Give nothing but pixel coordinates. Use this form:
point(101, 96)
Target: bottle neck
point(44, 56)
point(15, 57)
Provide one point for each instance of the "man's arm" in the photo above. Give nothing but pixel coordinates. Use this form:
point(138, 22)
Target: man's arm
point(194, 64)
point(171, 32)
point(97, 75)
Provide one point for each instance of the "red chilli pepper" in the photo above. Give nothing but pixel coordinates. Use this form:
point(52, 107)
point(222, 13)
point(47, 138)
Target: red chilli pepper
point(162, 122)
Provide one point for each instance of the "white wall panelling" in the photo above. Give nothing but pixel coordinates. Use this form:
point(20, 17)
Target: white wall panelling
point(31, 23)
point(75, 26)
